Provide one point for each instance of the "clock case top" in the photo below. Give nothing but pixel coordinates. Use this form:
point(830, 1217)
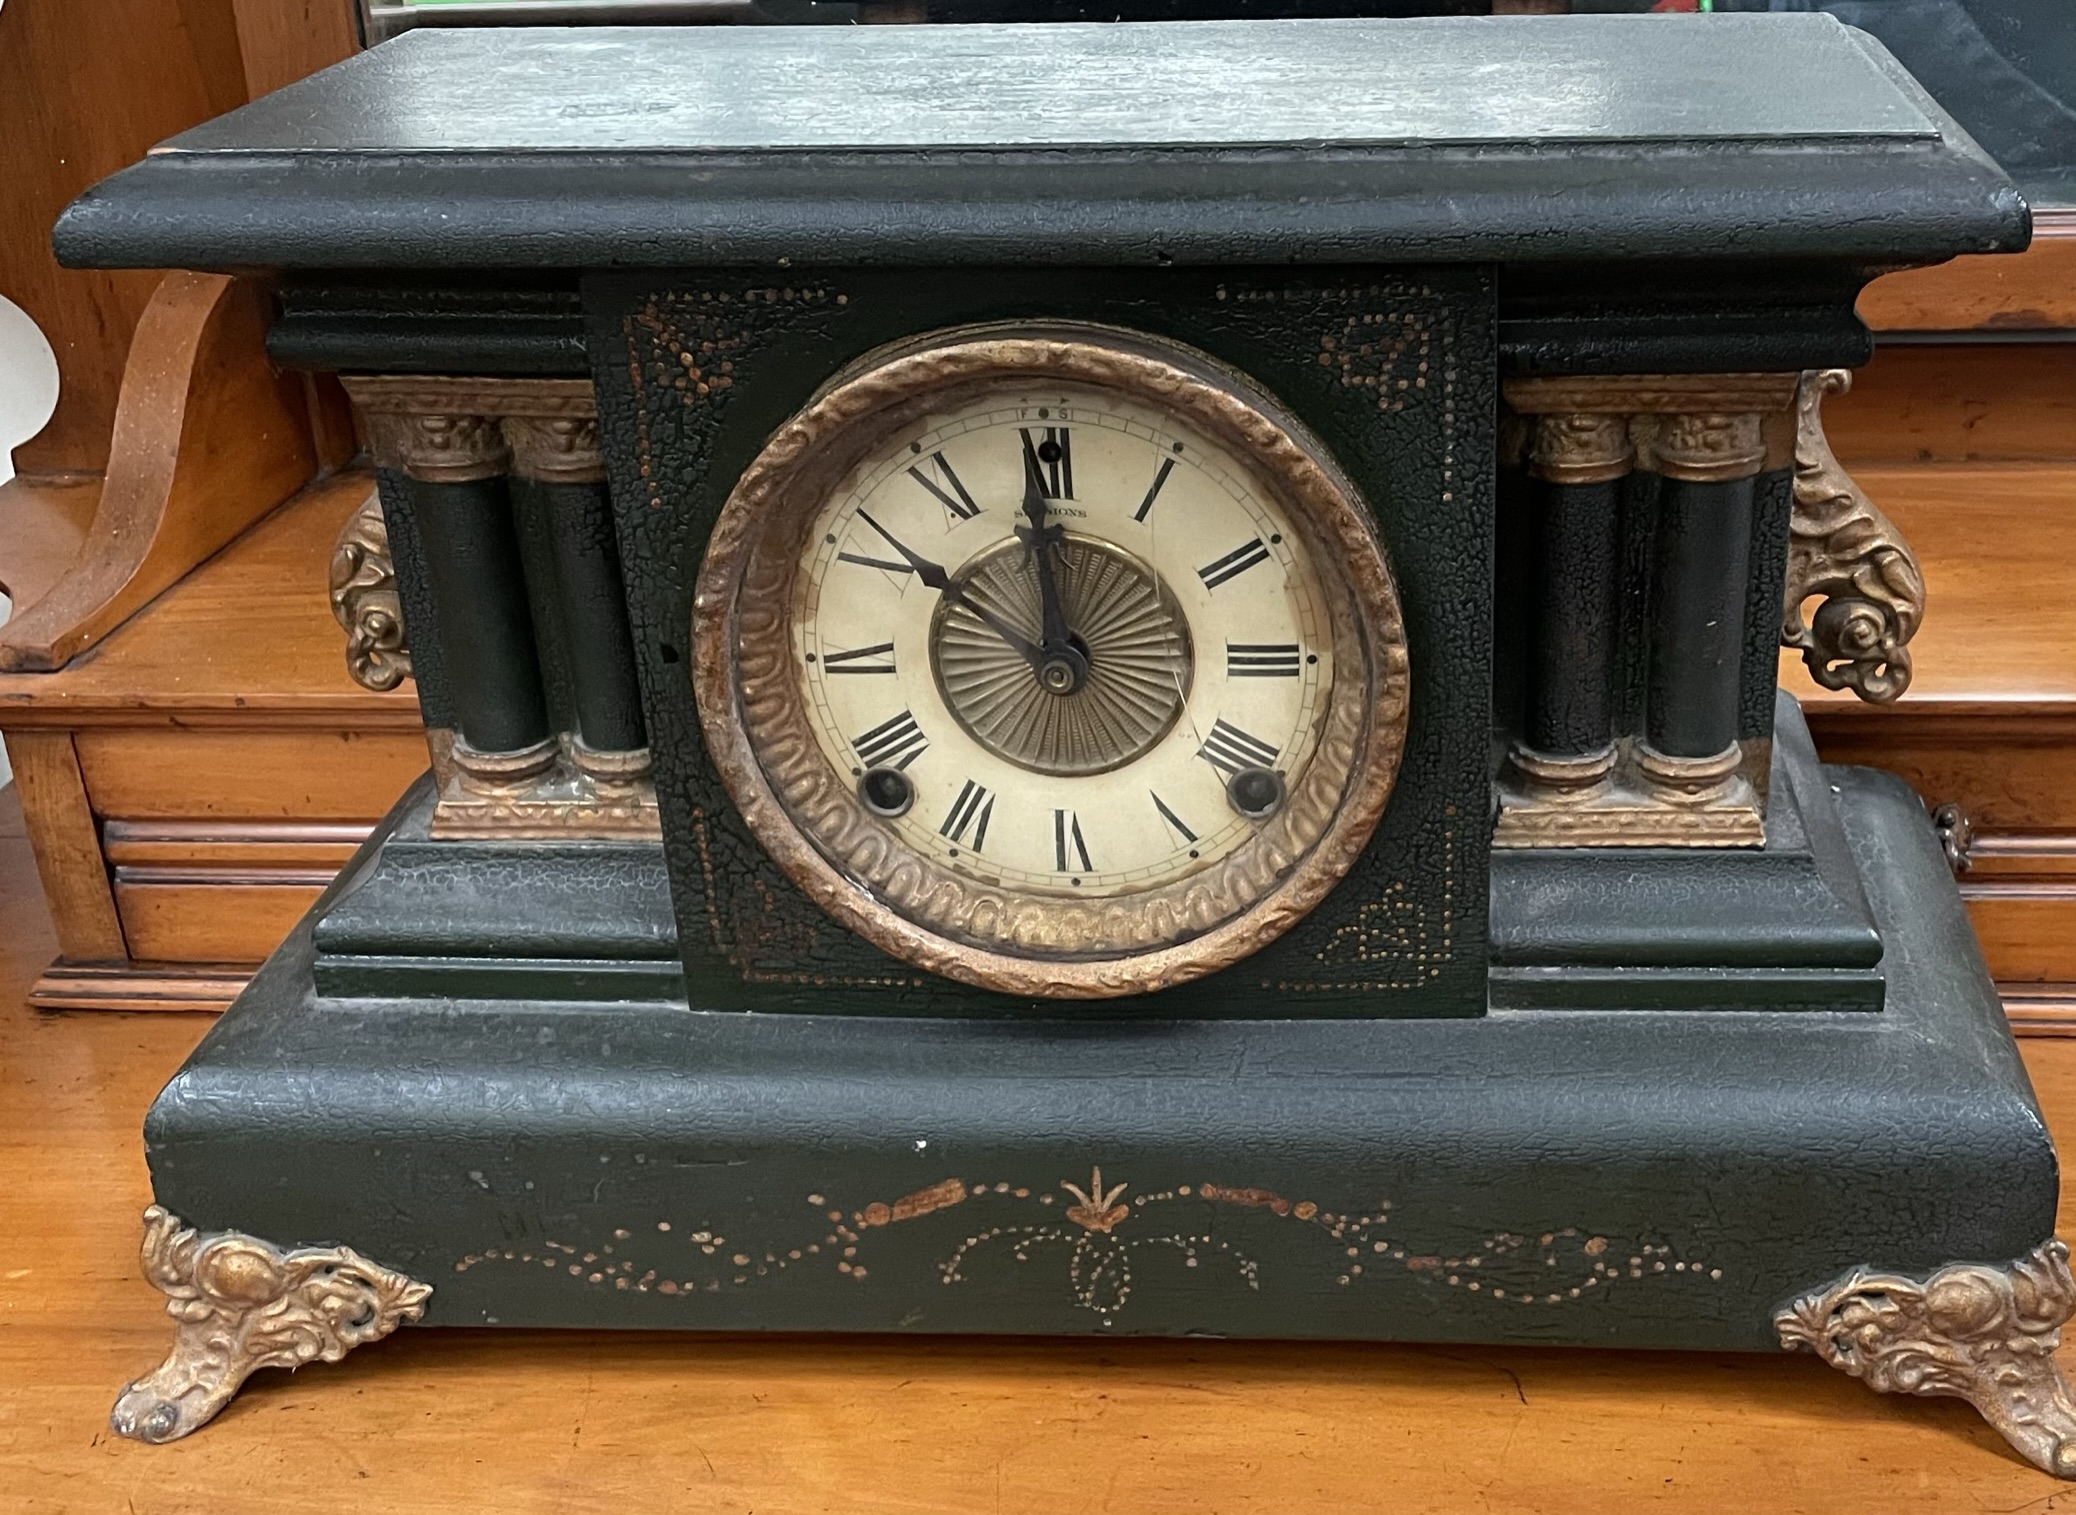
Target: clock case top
point(1351, 141)
point(1655, 197)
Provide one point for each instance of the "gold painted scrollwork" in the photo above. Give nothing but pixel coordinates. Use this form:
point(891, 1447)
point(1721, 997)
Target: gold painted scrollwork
point(365, 602)
point(1845, 551)
point(1973, 1331)
point(240, 1304)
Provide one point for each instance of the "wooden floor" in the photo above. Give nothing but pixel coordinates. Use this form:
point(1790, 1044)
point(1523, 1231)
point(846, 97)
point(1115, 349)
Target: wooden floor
point(645, 1424)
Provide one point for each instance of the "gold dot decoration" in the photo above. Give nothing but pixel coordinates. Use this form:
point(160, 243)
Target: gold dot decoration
point(1098, 1229)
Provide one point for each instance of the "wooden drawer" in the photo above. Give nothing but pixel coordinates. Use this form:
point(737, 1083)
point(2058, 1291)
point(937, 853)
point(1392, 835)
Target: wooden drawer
point(220, 892)
point(2028, 932)
point(1950, 403)
point(175, 918)
point(315, 775)
point(2013, 775)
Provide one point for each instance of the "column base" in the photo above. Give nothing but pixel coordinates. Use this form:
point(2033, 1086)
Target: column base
point(1574, 778)
point(568, 793)
point(1633, 805)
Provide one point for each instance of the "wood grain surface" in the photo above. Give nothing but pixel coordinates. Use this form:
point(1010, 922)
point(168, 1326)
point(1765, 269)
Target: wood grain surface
point(2030, 291)
point(46, 518)
point(1989, 722)
point(280, 41)
point(283, 666)
point(523, 1422)
point(208, 438)
point(1997, 543)
point(58, 815)
point(89, 86)
point(1955, 402)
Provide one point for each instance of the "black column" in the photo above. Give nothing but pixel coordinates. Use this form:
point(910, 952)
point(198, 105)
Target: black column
point(1577, 461)
point(1571, 703)
point(556, 450)
point(479, 600)
point(1701, 560)
point(1697, 617)
point(594, 615)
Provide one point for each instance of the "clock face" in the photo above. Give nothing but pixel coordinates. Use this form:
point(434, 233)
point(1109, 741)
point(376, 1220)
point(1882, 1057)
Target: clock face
point(1196, 658)
point(1054, 662)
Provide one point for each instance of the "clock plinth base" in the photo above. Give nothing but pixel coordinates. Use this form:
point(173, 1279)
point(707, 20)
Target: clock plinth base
point(1636, 1178)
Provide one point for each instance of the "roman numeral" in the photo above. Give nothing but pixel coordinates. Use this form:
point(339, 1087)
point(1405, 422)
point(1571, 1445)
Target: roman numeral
point(1047, 454)
point(974, 807)
point(1261, 660)
point(1172, 818)
point(1233, 564)
point(861, 660)
point(1229, 749)
point(1153, 491)
point(1066, 832)
point(894, 743)
point(956, 500)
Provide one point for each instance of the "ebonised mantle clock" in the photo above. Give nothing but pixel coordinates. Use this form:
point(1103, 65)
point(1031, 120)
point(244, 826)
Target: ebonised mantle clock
point(1111, 679)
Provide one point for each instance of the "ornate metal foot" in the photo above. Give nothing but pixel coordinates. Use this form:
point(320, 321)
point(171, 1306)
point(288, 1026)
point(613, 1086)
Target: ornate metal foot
point(1973, 1331)
point(242, 1304)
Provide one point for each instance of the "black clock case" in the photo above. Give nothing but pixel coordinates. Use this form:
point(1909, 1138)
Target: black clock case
point(486, 1065)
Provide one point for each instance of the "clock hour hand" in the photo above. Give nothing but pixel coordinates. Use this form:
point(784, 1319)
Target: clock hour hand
point(1066, 665)
point(934, 577)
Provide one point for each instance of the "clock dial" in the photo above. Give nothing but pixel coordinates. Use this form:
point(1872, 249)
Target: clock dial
point(1192, 662)
point(1057, 663)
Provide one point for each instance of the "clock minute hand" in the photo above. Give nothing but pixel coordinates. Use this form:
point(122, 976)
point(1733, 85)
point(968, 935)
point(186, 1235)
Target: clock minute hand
point(1042, 540)
point(934, 577)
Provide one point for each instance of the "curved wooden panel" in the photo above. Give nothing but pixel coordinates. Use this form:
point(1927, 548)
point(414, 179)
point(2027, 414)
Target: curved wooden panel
point(208, 438)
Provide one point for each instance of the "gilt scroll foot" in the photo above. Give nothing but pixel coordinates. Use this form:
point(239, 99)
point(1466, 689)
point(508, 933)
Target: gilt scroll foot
point(1843, 551)
point(239, 1304)
point(1972, 1331)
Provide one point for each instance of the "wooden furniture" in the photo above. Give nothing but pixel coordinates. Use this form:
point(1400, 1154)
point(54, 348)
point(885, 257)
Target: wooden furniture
point(194, 782)
point(176, 765)
point(649, 1421)
point(85, 96)
point(1963, 428)
point(211, 747)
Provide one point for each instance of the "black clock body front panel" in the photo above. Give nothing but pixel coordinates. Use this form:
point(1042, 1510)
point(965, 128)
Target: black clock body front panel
point(1392, 370)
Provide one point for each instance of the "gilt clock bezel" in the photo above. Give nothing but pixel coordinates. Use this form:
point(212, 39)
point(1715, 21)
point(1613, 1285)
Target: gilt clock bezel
point(809, 818)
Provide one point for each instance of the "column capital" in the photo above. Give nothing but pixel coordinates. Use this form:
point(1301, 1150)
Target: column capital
point(1709, 447)
point(447, 429)
point(1571, 447)
point(556, 449)
point(438, 448)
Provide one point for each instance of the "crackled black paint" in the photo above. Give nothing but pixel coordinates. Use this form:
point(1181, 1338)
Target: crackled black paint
point(1391, 369)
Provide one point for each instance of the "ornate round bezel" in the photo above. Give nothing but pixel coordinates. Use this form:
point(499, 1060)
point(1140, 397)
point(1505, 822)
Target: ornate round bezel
point(809, 817)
